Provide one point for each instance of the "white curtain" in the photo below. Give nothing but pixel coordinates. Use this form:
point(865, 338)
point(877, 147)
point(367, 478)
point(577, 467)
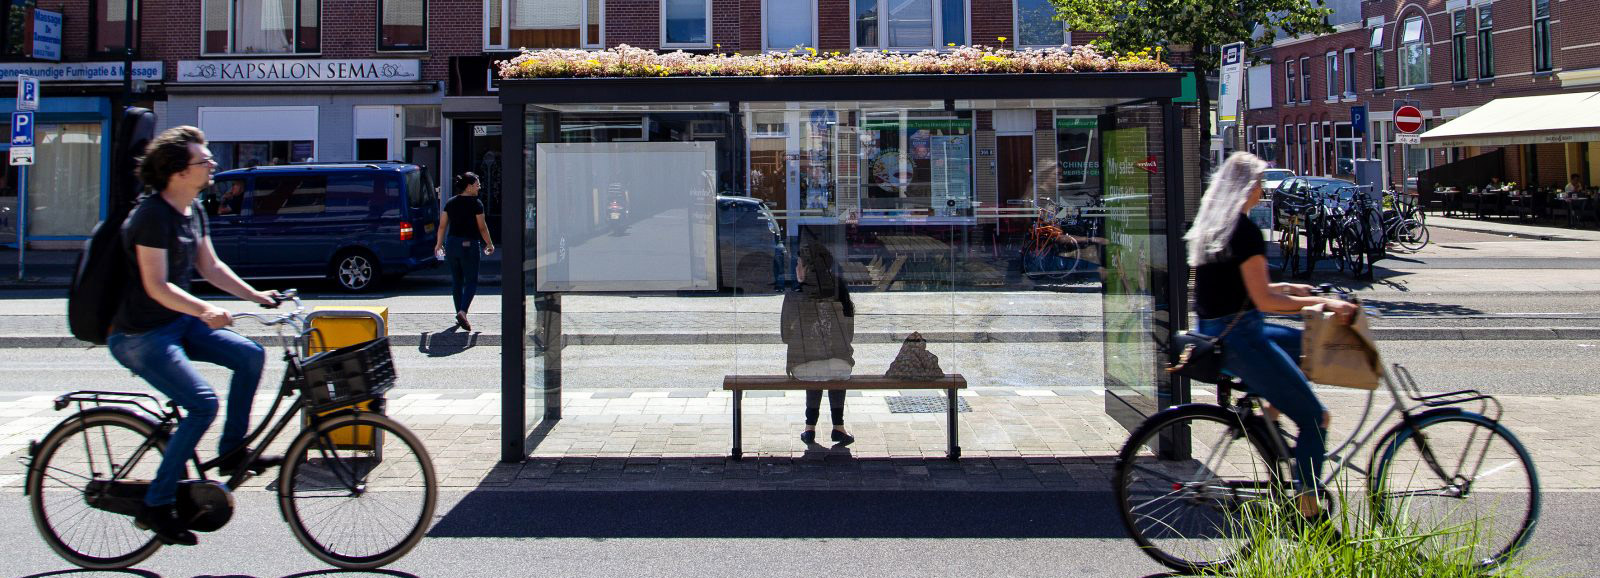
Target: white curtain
point(64, 182)
point(535, 14)
point(910, 23)
point(263, 26)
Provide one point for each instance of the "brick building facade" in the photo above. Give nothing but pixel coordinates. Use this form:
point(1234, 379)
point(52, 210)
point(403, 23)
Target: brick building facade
point(1447, 56)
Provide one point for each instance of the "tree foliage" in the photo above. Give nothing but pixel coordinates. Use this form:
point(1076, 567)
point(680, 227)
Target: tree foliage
point(1132, 25)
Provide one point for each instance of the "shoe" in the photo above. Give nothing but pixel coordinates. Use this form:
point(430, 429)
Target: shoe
point(163, 520)
point(809, 437)
point(844, 439)
point(229, 464)
point(461, 321)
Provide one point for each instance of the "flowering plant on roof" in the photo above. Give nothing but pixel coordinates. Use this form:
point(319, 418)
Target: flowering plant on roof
point(627, 61)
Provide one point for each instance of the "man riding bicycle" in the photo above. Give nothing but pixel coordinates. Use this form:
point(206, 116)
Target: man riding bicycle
point(160, 327)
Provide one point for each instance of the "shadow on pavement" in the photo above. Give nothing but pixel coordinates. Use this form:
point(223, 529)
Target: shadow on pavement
point(446, 343)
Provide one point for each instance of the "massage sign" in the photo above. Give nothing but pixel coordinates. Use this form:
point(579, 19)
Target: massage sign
point(298, 71)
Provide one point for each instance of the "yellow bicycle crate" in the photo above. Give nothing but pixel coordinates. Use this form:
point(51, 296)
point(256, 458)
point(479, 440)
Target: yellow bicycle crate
point(343, 326)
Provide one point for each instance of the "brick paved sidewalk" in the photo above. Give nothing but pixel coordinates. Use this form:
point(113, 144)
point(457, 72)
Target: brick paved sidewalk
point(1012, 439)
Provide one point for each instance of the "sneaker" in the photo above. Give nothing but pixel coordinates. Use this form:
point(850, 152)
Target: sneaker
point(163, 520)
point(229, 464)
point(809, 437)
point(844, 439)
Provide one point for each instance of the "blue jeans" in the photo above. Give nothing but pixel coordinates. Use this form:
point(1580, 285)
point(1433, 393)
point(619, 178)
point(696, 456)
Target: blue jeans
point(1267, 358)
point(462, 254)
point(162, 357)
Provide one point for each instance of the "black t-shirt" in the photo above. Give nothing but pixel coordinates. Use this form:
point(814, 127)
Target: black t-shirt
point(1219, 285)
point(154, 223)
point(463, 211)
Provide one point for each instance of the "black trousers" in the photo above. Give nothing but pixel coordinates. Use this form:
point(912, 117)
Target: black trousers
point(814, 405)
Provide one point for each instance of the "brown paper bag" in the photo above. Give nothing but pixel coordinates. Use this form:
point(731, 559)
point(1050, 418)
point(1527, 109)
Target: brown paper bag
point(1332, 353)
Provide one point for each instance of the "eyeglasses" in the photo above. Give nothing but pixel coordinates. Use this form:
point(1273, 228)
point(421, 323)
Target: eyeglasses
point(207, 160)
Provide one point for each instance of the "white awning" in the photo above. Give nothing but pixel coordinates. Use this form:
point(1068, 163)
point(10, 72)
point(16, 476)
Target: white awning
point(1548, 119)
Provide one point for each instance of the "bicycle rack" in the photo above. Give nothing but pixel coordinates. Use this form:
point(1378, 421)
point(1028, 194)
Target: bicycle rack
point(1489, 407)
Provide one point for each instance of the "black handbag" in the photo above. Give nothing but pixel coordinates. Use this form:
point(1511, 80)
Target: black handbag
point(1198, 356)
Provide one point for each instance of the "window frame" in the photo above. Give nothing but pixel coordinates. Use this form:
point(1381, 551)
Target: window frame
point(1485, 28)
point(1331, 75)
point(1290, 81)
point(379, 39)
point(1375, 45)
point(1406, 79)
point(1543, 56)
point(1350, 76)
point(138, 27)
point(506, 7)
point(1016, 26)
point(938, 26)
point(1459, 28)
point(766, 42)
point(662, 24)
point(1305, 79)
point(294, 41)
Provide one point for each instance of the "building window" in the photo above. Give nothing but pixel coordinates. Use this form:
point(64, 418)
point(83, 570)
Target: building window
point(403, 25)
point(1485, 41)
point(1037, 25)
point(1458, 45)
point(1267, 144)
point(1346, 143)
point(1541, 36)
point(246, 154)
point(1378, 81)
point(1350, 72)
point(263, 26)
point(1290, 82)
point(909, 24)
point(686, 23)
point(789, 24)
point(1413, 54)
point(1330, 74)
point(1289, 156)
point(1305, 79)
point(110, 25)
point(514, 24)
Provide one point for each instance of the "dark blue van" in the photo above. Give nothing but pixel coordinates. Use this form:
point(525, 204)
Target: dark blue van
point(353, 223)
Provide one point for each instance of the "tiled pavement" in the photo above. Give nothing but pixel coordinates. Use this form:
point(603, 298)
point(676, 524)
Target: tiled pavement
point(1012, 439)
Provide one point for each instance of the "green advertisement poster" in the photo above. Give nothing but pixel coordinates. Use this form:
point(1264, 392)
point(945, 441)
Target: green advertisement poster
point(1129, 352)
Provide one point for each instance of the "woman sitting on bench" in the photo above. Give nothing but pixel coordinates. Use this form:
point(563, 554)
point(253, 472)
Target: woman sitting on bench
point(818, 323)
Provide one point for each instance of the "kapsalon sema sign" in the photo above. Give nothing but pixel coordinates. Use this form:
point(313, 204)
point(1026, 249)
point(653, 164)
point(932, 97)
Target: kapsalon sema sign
point(295, 71)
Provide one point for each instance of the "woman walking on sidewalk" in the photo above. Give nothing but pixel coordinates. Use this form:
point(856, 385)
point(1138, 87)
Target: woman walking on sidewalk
point(461, 225)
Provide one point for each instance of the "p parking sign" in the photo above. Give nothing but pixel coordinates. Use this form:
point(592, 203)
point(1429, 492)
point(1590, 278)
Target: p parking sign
point(27, 93)
point(22, 129)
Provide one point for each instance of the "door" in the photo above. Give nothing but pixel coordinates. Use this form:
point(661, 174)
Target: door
point(1015, 172)
point(483, 159)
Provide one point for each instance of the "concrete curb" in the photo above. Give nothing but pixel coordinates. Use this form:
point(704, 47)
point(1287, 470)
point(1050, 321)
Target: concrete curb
point(427, 340)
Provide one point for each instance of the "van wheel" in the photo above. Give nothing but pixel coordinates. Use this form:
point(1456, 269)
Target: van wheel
point(355, 271)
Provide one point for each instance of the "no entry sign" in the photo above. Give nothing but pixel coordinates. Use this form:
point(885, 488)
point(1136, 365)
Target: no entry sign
point(1408, 119)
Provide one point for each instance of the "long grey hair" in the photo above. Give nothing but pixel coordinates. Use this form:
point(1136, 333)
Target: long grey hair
point(1221, 206)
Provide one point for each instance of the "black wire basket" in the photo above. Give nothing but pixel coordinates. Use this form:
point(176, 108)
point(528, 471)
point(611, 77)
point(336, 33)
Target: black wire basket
point(348, 375)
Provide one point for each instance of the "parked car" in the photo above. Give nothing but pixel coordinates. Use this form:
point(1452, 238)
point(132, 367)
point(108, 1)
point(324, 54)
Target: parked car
point(751, 254)
point(1271, 178)
point(353, 223)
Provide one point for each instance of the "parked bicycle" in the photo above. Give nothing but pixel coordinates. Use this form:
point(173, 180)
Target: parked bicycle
point(1403, 223)
point(1189, 475)
point(88, 476)
point(1059, 242)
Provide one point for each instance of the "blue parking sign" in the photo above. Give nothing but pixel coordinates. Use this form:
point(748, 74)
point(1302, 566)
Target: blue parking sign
point(22, 129)
point(1358, 119)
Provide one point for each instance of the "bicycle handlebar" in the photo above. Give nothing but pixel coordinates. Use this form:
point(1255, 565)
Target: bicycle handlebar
point(295, 318)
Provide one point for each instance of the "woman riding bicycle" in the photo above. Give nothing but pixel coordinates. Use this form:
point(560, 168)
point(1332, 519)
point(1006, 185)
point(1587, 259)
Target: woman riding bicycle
point(1232, 290)
point(160, 326)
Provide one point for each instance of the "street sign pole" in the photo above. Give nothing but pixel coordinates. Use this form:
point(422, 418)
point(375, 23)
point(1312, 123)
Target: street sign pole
point(22, 221)
point(28, 93)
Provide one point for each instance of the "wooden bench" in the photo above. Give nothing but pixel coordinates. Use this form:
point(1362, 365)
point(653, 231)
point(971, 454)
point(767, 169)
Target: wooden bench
point(738, 384)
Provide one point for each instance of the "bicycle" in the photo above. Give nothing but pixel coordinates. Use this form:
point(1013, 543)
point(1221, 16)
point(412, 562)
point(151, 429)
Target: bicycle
point(82, 503)
point(1188, 476)
point(1057, 244)
point(1404, 225)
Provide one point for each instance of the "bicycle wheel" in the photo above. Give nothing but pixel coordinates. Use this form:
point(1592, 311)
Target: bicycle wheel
point(89, 447)
point(1183, 482)
point(1352, 250)
point(351, 506)
point(1464, 476)
point(1412, 235)
point(1289, 248)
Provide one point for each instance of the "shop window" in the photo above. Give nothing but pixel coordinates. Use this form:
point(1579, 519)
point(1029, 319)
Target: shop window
point(1486, 41)
point(1413, 54)
point(110, 26)
point(789, 24)
point(1037, 24)
point(916, 165)
point(1458, 45)
point(1078, 152)
point(516, 24)
point(262, 26)
point(246, 154)
point(910, 24)
point(64, 181)
point(403, 24)
point(1378, 80)
point(686, 23)
point(792, 155)
point(1541, 36)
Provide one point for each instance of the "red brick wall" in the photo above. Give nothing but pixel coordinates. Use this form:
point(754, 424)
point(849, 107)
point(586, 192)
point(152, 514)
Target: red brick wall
point(833, 25)
point(991, 19)
point(633, 22)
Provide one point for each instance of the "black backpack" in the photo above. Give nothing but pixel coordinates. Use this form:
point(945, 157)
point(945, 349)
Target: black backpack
point(104, 269)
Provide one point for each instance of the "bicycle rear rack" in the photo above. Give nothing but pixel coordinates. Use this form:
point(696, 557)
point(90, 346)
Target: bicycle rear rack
point(1488, 407)
point(136, 400)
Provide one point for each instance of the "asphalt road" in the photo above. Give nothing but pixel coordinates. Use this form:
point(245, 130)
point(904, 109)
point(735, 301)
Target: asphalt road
point(735, 534)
